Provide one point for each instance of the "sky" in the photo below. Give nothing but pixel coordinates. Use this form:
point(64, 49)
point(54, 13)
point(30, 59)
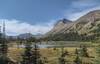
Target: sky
point(39, 16)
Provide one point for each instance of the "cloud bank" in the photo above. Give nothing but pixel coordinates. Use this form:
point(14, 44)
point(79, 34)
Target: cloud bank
point(78, 8)
point(15, 27)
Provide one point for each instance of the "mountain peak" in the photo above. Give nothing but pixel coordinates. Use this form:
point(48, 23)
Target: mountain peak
point(63, 21)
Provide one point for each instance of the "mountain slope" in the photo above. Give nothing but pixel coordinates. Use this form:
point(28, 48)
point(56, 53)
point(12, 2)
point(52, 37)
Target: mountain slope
point(85, 27)
point(59, 26)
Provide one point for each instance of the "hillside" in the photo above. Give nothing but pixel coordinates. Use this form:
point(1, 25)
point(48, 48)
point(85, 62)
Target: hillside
point(85, 28)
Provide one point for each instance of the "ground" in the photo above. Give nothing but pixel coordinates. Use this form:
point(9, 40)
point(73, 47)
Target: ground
point(53, 55)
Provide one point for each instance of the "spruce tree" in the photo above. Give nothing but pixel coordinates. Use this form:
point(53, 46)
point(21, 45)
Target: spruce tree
point(4, 59)
point(36, 55)
point(77, 59)
point(26, 57)
point(76, 51)
point(62, 60)
point(62, 57)
point(97, 60)
point(84, 51)
point(31, 56)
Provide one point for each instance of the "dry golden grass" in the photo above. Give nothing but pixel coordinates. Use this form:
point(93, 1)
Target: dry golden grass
point(51, 54)
point(15, 53)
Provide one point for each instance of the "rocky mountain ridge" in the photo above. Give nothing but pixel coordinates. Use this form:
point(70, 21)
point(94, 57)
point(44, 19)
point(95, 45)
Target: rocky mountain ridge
point(86, 25)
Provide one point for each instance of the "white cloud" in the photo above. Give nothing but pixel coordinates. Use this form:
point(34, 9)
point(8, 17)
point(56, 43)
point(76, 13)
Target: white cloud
point(79, 8)
point(15, 27)
point(76, 15)
point(84, 3)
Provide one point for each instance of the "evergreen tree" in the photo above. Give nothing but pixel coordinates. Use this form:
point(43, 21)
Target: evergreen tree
point(37, 56)
point(27, 54)
point(62, 60)
point(4, 48)
point(3, 51)
point(31, 56)
point(84, 51)
point(62, 57)
point(77, 59)
point(76, 51)
point(97, 60)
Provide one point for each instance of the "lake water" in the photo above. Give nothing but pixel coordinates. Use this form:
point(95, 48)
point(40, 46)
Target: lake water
point(57, 44)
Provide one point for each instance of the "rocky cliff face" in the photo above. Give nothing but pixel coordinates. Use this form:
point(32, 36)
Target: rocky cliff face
point(59, 26)
point(86, 25)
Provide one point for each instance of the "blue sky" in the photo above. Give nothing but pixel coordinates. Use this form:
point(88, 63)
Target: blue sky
point(38, 16)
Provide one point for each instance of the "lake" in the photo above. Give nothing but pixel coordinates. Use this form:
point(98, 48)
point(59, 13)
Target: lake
point(57, 44)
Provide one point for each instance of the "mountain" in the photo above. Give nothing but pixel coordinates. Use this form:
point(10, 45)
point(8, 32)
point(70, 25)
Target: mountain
point(87, 22)
point(59, 26)
point(37, 36)
point(29, 35)
point(25, 35)
point(87, 26)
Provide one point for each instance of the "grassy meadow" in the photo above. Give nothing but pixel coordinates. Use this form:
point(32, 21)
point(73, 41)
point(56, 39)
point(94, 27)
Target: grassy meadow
point(51, 55)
